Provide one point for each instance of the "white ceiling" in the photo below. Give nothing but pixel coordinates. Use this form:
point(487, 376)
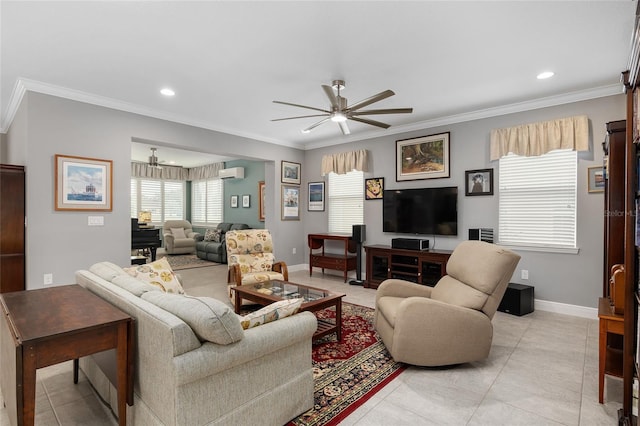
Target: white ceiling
point(227, 61)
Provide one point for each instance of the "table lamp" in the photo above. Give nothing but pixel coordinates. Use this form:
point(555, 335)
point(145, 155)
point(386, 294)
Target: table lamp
point(144, 216)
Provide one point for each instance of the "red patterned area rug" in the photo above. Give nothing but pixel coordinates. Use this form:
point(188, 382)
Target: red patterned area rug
point(347, 373)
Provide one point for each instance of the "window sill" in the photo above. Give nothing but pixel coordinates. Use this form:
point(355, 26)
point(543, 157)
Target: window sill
point(541, 249)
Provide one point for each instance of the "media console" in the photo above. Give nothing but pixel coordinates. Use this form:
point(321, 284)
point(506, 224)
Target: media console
point(424, 267)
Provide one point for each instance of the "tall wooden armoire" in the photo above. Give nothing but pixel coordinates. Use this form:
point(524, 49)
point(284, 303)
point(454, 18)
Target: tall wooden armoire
point(12, 228)
point(614, 199)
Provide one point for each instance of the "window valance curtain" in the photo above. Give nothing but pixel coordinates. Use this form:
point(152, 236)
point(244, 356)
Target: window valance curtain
point(345, 162)
point(205, 172)
point(143, 170)
point(535, 139)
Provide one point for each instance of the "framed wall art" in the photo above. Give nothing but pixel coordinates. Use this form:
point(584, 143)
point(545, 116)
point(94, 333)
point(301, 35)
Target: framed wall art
point(596, 179)
point(290, 202)
point(234, 201)
point(426, 157)
point(374, 188)
point(316, 197)
point(478, 182)
point(262, 193)
point(290, 172)
point(246, 201)
point(83, 184)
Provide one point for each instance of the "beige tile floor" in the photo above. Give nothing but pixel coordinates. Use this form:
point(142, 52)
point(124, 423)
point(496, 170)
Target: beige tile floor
point(542, 370)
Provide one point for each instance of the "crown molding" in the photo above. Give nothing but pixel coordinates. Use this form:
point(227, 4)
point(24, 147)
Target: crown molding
point(23, 85)
point(565, 98)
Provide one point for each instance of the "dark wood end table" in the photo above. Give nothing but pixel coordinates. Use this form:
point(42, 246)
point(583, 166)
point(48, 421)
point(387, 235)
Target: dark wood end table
point(315, 299)
point(57, 324)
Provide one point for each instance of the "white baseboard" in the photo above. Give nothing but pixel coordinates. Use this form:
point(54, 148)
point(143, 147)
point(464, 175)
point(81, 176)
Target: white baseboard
point(564, 308)
point(542, 305)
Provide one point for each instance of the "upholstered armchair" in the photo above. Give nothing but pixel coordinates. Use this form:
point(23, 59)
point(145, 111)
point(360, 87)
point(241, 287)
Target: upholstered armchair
point(179, 237)
point(451, 322)
point(250, 257)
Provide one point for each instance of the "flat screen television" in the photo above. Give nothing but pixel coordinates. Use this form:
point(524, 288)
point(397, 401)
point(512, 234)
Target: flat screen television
point(421, 211)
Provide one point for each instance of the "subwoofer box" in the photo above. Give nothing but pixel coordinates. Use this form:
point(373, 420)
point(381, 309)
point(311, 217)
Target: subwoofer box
point(517, 300)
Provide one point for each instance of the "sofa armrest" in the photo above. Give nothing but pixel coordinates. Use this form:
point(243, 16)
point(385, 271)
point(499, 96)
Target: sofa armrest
point(168, 239)
point(257, 343)
point(282, 268)
point(234, 276)
point(195, 236)
point(402, 288)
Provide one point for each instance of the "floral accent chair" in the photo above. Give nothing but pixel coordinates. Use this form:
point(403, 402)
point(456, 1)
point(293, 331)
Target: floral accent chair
point(250, 257)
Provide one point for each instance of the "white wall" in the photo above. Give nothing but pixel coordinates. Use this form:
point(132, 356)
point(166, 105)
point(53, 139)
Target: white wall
point(564, 278)
point(61, 242)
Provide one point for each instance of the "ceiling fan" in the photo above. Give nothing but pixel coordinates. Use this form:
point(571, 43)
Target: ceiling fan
point(153, 159)
point(340, 112)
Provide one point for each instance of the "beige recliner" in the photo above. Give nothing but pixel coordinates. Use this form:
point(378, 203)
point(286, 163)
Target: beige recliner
point(451, 322)
point(179, 237)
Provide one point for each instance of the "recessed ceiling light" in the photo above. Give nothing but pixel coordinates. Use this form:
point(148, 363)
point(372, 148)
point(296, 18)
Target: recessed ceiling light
point(167, 92)
point(545, 75)
point(306, 131)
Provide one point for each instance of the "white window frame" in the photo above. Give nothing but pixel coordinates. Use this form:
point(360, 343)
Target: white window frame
point(538, 202)
point(136, 200)
point(214, 208)
point(345, 201)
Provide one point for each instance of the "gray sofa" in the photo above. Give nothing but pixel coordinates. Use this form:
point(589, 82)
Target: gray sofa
point(216, 251)
point(264, 378)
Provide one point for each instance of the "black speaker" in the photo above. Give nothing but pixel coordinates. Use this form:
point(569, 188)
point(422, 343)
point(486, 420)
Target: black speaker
point(359, 233)
point(482, 234)
point(517, 300)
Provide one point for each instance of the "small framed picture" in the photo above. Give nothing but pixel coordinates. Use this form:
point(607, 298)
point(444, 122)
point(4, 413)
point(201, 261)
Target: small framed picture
point(290, 172)
point(316, 197)
point(290, 202)
point(373, 188)
point(234, 201)
point(246, 201)
point(596, 179)
point(478, 182)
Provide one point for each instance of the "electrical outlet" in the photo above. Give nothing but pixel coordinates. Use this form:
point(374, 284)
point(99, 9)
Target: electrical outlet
point(294, 250)
point(48, 279)
point(525, 274)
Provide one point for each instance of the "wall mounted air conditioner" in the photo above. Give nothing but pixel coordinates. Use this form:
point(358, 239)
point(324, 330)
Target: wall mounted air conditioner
point(232, 173)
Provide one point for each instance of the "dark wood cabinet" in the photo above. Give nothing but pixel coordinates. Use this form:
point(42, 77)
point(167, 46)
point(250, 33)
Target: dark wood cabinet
point(423, 267)
point(12, 228)
point(614, 199)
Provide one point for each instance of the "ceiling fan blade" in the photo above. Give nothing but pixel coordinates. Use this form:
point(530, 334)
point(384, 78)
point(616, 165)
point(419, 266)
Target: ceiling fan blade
point(344, 127)
point(301, 116)
point(332, 97)
point(301, 106)
point(375, 98)
point(371, 122)
point(384, 111)
point(313, 126)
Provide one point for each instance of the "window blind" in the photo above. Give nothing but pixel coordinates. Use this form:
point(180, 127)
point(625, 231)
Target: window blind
point(345, 201)
point(164, 199)
point(173, 200)
point(537, 200)
point(206, 201)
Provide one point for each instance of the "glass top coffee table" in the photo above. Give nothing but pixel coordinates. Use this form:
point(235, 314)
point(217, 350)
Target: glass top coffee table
point(315, 299)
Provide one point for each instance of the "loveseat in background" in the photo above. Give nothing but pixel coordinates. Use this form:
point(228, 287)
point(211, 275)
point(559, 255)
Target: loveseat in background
point(265, 378)
point(214, 251)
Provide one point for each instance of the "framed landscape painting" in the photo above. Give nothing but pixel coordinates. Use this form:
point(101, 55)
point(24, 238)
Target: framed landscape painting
point(316, 197)
point(426, 157)
point(83, 184)
point(290, 172)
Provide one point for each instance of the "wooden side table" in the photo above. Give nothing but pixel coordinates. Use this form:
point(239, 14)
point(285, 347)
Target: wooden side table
point(51, 325)
point(610, 358)
point(344, 262)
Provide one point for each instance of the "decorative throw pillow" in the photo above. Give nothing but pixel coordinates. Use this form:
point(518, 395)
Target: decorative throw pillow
point(178, 233)
point(214, 235)
point(272, 312)
point(159, 274)
point(210, 319)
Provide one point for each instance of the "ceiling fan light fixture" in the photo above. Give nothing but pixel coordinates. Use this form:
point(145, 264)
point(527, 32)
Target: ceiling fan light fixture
point(153, 159)
point(338, 117)
point(337, 85)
